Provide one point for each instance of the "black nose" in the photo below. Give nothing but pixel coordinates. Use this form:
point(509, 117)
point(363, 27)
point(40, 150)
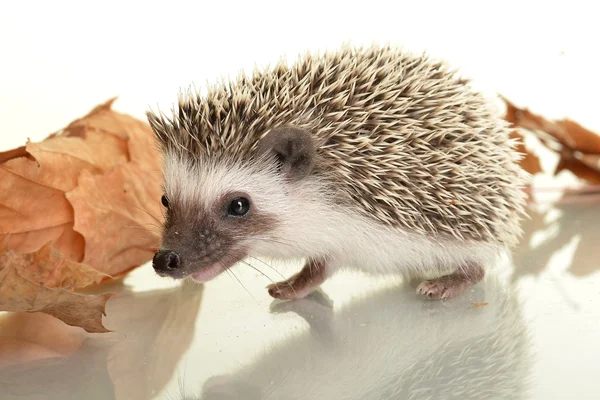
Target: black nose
point(166, 261)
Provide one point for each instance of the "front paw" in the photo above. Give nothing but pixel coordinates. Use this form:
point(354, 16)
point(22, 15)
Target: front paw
point(301, 284)
point(284, 291)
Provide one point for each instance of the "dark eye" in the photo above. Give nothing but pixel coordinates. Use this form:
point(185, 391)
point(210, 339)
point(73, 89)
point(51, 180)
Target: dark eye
point(238, 207)
point(164, 201)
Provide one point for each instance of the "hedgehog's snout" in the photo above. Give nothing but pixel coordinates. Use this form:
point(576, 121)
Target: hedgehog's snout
point(166, 262)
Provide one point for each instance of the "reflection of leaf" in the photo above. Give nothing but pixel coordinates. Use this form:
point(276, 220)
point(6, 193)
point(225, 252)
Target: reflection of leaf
point(42, 281)
point(577, 219)
point(586, 258)
point(581, 220)
point(152, 332)
point(79, 372)
point(26, 337)
point(526, 259)
point(578, 149)
point(164, 322)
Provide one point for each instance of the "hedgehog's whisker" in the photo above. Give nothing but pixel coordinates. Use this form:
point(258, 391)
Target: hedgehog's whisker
point(270, 266)
point(145, 211)
point(149, 227)
point(240, 282)
point(153, 224)
point(259, 271)
point(265, 275)
point(270, 392)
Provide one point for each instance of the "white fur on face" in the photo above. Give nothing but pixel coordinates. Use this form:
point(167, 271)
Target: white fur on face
point(311, 224)
point(193, 184)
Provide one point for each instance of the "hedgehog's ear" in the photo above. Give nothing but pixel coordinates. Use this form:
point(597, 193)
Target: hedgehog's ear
point(293, 148)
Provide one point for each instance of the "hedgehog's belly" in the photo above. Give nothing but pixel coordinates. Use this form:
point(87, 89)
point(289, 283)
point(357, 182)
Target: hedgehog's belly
point(413, 256)
point(351, 241)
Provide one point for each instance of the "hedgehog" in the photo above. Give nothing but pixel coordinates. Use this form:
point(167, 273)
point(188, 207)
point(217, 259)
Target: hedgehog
point(366, 158)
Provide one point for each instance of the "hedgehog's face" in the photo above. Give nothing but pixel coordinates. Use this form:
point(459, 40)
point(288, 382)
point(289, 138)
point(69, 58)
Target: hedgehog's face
point(218, 211)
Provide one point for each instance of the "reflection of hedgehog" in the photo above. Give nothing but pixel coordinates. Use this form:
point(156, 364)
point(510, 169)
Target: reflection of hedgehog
point(383, 344)
point(367, 158)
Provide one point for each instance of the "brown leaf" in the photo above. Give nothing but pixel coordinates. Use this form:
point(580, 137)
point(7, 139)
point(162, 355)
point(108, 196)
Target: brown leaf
point(117, 223)
point(48, 267)
point(33, 208)
point(62, 158)
point(567, 132)
point(591, 160)
point(85, 311)
point(580, 138)
point(530, 162)
point(34, 179)
point(577, 147)
point(137, 134)
point(479, 304)
point(26, 205)
point(65, 239)
point(577, 167)
point(42, 281)
point(107, 164)
point(14, 153)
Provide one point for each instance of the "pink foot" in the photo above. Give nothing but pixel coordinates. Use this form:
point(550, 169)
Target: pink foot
point(300, 284)
point(449, 286)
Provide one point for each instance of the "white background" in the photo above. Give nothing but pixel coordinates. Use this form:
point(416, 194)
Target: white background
point(58, 59)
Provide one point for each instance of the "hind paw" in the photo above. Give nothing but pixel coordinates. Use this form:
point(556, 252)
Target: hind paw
point(436, 289)
point(448, 286)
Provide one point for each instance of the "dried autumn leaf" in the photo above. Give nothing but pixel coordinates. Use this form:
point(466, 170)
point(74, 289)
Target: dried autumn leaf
point(92, 190)
point(29, 209)
point(42, 281)
point(577, 147)
point(141, 148)
point(577, 167)
point(591, 160)
point(580, 138)
point(14, 153)
point(35, 178)
point(530, 162)
point(49, 267)
point(119, 231)
point(567, 132)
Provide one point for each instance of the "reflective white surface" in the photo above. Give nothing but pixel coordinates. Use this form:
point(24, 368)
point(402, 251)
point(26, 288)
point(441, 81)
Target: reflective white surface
point(357, 338)
point(365, 338)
